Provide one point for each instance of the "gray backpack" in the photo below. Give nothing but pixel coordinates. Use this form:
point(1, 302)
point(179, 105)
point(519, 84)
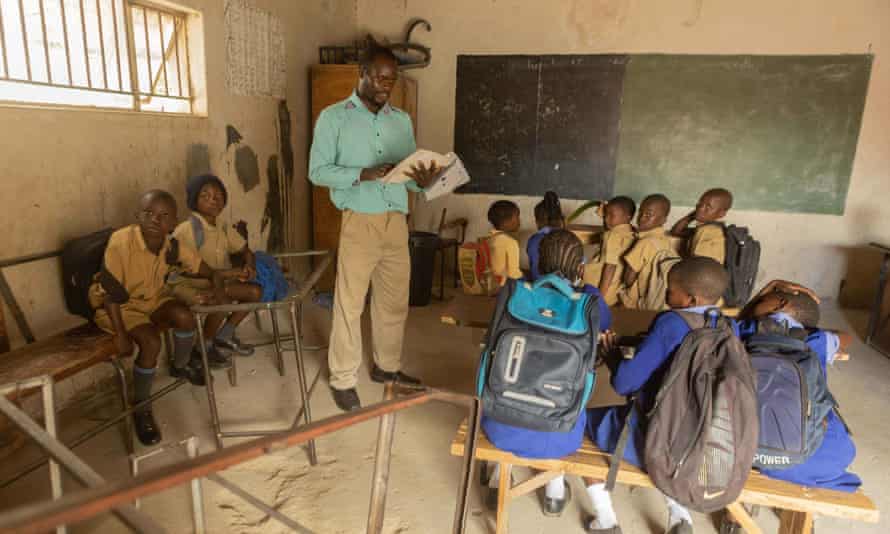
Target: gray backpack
point(702, 428)
point(536, 370)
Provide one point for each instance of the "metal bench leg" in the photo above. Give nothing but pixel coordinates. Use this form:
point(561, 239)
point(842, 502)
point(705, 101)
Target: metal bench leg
point(310, 348)
point(791, 522)
point(276, 335)
point(301, 379)
point(233, 371)
point(503, 497)
point(211, 394)
point(123, 392)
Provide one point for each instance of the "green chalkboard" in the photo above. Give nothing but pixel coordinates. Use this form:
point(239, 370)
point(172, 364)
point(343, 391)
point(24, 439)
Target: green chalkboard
point(780, 132)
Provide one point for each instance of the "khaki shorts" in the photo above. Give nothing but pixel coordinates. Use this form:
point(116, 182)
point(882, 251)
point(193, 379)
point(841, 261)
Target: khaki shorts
point(134, 313)
point(189, 290)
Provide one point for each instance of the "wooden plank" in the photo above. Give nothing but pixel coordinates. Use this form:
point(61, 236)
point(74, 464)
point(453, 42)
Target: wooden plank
point(591, 462)
point(533, 483)
point(795, 523)
point(503, 498)
point(738, 513)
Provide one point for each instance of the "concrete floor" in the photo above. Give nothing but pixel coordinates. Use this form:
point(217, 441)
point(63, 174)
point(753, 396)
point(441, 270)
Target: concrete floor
point(333, 497)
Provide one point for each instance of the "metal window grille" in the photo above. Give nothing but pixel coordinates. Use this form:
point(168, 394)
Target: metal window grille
point(104, 53)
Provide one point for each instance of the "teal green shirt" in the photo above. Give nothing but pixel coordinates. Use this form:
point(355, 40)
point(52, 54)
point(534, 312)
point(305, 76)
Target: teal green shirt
point(349, 138)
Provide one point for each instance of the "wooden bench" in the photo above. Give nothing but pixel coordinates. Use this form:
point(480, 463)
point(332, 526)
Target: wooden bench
point(798, 504)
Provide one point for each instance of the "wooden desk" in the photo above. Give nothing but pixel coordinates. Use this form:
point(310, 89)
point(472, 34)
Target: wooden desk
point(874, 321)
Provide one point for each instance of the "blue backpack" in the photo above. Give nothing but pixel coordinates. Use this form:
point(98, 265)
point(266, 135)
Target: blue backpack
point(537, 366)
point(793, 399)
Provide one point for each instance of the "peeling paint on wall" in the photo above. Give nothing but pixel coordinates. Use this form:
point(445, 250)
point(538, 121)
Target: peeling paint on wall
point(197, 160)
point(247, 168)
point(233, 137)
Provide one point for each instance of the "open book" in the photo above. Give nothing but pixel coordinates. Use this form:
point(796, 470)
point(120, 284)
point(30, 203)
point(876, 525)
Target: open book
point(452, 173)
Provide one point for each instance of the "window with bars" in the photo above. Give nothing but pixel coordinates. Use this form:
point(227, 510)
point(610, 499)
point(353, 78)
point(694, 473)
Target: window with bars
point(104, 53)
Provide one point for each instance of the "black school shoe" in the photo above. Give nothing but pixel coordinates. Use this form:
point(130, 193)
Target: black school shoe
point(379, 375)
point(554, 507)
point(193, 371)
point(234, 346)
point(215, 358)
point(346, 399)
point(146, 428)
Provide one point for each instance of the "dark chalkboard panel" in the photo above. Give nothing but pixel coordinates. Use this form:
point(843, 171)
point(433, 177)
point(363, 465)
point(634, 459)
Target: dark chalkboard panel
point(780, 132)
point(528, 124)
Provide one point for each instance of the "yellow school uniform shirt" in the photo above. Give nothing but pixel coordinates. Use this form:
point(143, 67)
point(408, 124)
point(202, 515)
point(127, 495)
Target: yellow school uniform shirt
point(135, 277)
point(640, 259)
point(616, 242)
point(709, 241)
point(220, 241)
point(504, 256)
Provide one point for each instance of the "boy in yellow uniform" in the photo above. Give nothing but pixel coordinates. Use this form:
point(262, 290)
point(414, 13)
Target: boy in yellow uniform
point(707, 239)
point(617, 239)
point(133, 302)
point(206, 197)
point(504, 216)
point(653, 244)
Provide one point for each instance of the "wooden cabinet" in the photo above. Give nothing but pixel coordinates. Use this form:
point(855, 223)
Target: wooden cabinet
point(331, 84)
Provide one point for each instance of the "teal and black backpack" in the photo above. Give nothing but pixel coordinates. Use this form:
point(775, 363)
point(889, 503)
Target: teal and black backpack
point(537, 367)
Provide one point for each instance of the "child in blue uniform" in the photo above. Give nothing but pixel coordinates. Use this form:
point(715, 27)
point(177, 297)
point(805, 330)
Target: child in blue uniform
point(694, 285)
point(775, 306)
point(561, 252)
point(548, 217)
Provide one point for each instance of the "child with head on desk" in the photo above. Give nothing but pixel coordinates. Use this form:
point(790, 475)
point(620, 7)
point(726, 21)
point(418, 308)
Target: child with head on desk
point(133, 302)
point(707, 239)
point(504, 217)
point(643, 262)
point(617, 239)
point(694, 285)
point(785, 309)
point(548, 217)
point(563, 254)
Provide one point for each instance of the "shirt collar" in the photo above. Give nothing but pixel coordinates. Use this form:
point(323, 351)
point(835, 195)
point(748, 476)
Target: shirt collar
point(357, 103)
point(697, 309)
point(657, 231)
point(623, 229)
point(140, 241)
point(785, 319)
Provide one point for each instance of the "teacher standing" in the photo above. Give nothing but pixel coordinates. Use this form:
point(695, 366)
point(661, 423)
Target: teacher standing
point(356, 142)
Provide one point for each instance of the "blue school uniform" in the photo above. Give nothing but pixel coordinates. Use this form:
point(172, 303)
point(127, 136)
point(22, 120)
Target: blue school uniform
point(534, 443)
point(532, 248)
point(642, 375)
point(827, 467)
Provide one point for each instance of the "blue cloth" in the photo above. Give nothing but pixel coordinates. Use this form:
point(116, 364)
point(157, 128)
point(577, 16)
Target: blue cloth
point(532, 248)
point(827, 467)
point(536, 444)
point(270, 278)
point(642, 375)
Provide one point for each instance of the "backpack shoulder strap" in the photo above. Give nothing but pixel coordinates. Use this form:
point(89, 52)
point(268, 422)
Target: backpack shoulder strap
point(197, 231)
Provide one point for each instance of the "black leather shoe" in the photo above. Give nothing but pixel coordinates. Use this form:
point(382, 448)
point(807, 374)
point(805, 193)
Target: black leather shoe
point(193, 371)
point(346, 399)
point(215, 358)
point(379, 375)
point(146, 428)
point(555, 507)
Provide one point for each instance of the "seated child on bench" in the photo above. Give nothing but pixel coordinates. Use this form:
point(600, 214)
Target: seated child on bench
point(504, 217)
point(794, 310)
point(652, 246)
point(215, 240)
point(561, 252)
point(707, 238)
point(133, 303)
point(694, 285)
point(617, 239)
point(548, 217)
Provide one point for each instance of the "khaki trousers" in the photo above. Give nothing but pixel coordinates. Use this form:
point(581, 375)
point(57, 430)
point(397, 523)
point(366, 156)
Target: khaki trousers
point(373, 252)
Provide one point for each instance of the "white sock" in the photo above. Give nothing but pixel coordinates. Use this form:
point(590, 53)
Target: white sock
point(676, 513)
point(556, 488)
point(604, 514)
point(494, 476)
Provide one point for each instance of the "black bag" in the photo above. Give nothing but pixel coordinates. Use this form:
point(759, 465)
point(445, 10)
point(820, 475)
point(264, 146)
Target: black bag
point(794, 400)
point(81, 260)
point(741, 262)
point(537, 367)
point(701, 433)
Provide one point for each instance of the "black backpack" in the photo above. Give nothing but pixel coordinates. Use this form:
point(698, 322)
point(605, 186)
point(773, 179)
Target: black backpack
point(794, 401)
point(537, 367)
point(741, 262)
point(81, 260)
point(701, 431)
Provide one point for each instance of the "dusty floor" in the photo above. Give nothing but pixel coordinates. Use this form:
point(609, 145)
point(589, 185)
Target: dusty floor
point(333, 497)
